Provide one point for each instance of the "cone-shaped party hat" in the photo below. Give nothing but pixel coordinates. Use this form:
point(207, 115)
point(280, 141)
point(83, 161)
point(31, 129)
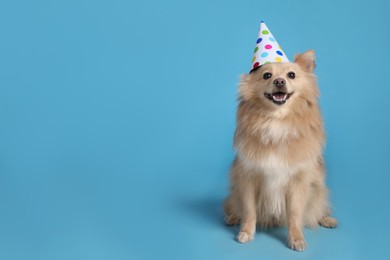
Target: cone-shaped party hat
point(267, 49)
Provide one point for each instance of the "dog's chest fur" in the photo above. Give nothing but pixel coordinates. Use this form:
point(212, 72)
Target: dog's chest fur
point(274, 175)
point(274, 171)
point(273, 196)
point(275, 131)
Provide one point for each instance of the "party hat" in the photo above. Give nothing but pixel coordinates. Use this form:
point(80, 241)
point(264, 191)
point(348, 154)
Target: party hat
point(267, 49)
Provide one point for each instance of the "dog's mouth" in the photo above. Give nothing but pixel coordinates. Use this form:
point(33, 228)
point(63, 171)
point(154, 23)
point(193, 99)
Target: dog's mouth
point(279, 97)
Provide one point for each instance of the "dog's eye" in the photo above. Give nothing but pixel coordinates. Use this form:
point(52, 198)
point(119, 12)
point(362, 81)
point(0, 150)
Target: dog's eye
point(291, 75)
point(267, 75)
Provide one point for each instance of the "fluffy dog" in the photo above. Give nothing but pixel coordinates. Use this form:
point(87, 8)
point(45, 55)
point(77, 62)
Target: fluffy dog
point(277, 177)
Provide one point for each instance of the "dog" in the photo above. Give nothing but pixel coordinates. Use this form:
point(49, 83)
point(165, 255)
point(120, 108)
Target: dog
point(277, 177)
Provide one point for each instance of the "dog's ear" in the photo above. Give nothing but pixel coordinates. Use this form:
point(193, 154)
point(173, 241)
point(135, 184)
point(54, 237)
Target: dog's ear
point(244, 89)
point(306, 60)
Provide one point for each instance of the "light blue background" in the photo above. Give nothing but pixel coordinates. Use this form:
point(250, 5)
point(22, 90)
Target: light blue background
point(117, 120)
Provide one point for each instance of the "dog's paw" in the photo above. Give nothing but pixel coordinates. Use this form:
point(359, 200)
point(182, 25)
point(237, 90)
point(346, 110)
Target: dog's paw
point(328, 222)
point(297, 244)
point(244, 237)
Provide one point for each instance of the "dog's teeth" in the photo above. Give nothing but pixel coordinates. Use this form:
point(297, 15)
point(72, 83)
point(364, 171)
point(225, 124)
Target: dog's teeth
point(280, 98)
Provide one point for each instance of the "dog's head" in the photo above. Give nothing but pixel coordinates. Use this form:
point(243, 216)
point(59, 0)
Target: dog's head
point(277, 85)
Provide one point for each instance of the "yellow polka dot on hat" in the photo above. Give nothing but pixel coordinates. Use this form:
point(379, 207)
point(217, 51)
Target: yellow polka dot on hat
point(267, 49)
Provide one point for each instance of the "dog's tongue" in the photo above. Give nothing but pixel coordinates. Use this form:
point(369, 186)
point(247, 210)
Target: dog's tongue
point(279, 96)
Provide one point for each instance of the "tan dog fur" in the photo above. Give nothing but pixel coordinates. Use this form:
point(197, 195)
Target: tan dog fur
point(277, 177)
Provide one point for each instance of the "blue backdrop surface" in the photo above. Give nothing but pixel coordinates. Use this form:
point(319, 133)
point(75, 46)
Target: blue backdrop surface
point(117, 120)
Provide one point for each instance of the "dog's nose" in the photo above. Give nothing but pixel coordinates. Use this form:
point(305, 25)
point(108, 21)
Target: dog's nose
point(279, 82)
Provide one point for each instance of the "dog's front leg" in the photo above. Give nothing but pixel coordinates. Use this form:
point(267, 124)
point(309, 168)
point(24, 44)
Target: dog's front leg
point(248, 219)
point(296, 198)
